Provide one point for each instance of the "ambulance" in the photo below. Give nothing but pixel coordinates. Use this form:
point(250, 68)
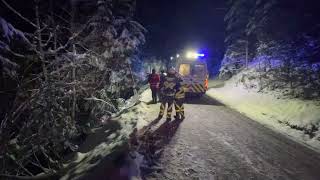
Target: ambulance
point(194, 74)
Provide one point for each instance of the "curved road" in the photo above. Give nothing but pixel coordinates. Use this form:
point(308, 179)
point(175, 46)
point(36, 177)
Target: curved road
point(215, 142)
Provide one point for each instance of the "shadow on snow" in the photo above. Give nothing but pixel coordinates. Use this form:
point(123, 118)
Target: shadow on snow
point(204, 100)
point(152, 143)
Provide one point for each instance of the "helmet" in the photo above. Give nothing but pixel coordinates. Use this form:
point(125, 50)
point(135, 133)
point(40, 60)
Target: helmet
point(172, 70)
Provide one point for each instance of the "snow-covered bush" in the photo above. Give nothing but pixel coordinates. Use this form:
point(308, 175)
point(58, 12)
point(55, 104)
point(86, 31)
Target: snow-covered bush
point(281, 50)
point(300, 80)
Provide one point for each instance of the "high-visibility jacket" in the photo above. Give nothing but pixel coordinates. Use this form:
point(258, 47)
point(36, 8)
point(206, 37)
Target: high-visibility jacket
point(154, 80)
point(169, 85)
point(180, 94)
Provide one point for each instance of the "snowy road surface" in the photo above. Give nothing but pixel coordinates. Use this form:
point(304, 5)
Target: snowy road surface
point(215, 142)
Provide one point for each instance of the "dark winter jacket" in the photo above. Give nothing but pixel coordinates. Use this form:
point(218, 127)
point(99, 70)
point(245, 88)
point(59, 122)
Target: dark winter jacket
point(162, 76)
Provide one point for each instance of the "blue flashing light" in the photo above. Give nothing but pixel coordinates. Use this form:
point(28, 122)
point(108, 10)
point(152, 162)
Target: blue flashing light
point(200, 55)
point(194, 55)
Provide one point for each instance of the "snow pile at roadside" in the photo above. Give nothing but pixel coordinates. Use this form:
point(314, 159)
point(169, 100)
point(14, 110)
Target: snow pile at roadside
point(149, 111)
point(108, 141)
point(300, 119)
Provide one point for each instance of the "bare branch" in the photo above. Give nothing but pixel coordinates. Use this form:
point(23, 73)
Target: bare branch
point(16, 54)
point(68, 42)
point(49, 40)
point(101, 100)
point(66, 11)
point(17, 13)
point(61, 18)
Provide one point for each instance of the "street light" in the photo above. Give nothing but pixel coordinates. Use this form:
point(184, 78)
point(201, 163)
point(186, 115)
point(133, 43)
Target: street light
point(178, 55)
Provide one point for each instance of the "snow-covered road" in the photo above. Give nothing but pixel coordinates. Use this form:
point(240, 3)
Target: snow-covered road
point(215, 142)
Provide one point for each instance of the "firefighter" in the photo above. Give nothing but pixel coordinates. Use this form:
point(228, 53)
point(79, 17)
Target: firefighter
point(168, 87)
point(178, 102)
point(162, 76)
point(154, 81)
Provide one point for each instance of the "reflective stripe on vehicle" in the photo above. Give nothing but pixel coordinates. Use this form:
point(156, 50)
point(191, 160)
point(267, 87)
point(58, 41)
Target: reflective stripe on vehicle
point(195, 88)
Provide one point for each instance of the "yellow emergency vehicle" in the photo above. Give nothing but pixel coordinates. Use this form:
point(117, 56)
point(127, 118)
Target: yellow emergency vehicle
point(194, 75)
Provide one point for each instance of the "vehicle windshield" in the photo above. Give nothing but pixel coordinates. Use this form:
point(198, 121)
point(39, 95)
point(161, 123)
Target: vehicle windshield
point(198, 70)
point(185, 69)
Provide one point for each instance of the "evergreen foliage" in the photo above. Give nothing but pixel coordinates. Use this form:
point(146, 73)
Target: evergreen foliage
point(281, 36)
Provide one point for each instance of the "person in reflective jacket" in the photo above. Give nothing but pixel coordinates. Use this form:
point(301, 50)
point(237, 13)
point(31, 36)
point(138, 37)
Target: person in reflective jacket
point(168, 88)
point(178, 103)
point(162, 76)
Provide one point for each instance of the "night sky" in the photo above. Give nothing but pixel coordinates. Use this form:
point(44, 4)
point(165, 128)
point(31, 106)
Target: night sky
point(176, 25)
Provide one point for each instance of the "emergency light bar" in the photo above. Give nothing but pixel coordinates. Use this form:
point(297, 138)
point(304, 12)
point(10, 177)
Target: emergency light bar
point(194, 55)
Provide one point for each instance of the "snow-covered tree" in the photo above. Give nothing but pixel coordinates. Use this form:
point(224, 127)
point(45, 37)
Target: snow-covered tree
point(118, 38)
point(237, 40)
point(85, 69)
point(282, 44)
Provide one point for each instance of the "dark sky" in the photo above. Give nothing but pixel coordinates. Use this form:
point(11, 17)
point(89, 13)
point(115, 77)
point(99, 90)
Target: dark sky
point(175, 25)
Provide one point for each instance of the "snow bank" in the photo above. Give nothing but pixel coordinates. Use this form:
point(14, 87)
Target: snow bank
point(149, 112)
point(300, 119)
point(108, 141)
point(144, 112)
point(101, 148)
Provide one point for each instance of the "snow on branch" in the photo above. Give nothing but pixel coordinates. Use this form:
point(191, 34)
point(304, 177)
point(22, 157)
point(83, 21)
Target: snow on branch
point(9, 33)
point(17, 13)
point(103, 101)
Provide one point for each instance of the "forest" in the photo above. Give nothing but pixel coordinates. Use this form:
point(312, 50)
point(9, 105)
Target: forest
point(277, 43)
point(76, 67)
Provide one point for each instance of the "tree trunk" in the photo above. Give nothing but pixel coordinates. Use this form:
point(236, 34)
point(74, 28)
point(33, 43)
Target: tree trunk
point(41, 53)
point(132, 77)
point(73, 30)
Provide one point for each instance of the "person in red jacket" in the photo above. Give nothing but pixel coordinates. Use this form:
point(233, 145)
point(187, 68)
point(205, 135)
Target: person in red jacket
point(154, 81)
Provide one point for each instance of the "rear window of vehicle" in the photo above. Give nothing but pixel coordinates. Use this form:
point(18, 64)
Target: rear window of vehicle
point(198, 70)
point(185, 69)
